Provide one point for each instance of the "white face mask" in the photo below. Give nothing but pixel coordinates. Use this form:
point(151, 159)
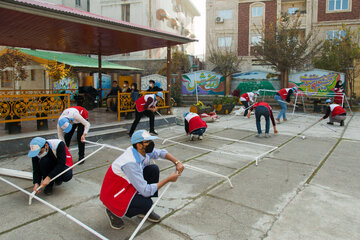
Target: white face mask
point(43, 154)
point(151, 85)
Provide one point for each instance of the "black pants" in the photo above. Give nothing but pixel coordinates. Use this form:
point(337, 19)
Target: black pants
point(140, 204)
point(47, 164)
point(80, 132)
point(262, 111)
point(246, 106)
point(138, 116)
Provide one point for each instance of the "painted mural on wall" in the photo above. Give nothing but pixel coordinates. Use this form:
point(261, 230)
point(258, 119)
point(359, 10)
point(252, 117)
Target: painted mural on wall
point(105, 82)
point(255, 80)
point(207, 83)
point(316, 82)
point(160, 81)
point(66, 83)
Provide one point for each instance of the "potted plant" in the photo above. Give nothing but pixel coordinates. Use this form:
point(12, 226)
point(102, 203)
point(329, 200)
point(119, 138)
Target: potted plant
point(200, 108)
point(224, 105)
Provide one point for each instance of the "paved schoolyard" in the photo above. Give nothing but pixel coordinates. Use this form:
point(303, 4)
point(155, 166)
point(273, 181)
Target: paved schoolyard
point(303, 189)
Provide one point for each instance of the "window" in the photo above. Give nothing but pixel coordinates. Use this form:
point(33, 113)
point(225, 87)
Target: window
point(32, 74)
point(292, 11)
point(255, 39)
point(332, 34)
point(125, 12)
point(334, 5)
point(225, 14)
point(6, 81)
point(78, 3)
point(224, 41)
point(257, 11)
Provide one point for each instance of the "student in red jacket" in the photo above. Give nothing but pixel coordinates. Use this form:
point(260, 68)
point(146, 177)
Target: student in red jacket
point(263, 109)
point(71, 119)
point(146, 105)
point(246, 98)
point(283, 98)
point(335, 113)
point(194, 125)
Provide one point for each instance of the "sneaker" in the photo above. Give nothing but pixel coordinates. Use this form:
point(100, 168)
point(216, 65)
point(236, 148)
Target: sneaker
point(191, 137)
point(330, 123)
point(277, 121)
point(80, 160)
point(200, 137)
point(154, 132)
point(58, 182)
point(258, 135)
point(285, 119)
point(342, 123)
point(115, 221)
point(48, 190)
point(267, 135)
point(107, 109)
point(153, 217)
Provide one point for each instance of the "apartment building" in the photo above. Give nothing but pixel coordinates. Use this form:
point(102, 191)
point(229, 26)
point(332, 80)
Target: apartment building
point(235, 23)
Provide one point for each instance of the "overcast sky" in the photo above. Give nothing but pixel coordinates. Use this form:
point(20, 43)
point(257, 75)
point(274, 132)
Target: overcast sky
point(199, 23)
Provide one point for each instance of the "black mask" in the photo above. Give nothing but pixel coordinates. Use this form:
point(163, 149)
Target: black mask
point(149, 148)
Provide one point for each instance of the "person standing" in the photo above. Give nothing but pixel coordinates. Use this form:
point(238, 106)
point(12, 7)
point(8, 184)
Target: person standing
point(339, 93)
point(335, 113)
point(134, 92)
point(71, 119)
point(146, 105)
point(263, 109)
point(132, 180)
point(49, 158)
point(194, 125)
point(112, 96)
point(153, 87)
point(283, 97)
point(246, 98)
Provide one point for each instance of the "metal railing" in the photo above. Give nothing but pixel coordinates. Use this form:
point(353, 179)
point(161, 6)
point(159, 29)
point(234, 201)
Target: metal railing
point(126, 103)
point(27, 107)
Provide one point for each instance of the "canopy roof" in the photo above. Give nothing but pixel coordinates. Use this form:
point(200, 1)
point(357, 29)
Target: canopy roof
point(40, 25)
point(75, 60)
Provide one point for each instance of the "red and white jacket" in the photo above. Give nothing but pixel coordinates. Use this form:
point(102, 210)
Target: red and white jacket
point(54, 143)
point(336, 110)
point(283, 93)
point(141, 102)
point(76, 114)
point(249, 96)
point(117, 191)
point(338, 95)
point(195, 122)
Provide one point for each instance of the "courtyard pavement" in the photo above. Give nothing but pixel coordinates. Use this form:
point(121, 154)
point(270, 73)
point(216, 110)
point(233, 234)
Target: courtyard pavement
point(305, 187)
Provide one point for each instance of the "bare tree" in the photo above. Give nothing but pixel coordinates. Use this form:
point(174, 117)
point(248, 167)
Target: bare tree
point(284, 46)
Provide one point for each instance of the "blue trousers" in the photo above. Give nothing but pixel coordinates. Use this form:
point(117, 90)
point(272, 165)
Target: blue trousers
point(262, 111)
point(282, 105)
point(199, 131)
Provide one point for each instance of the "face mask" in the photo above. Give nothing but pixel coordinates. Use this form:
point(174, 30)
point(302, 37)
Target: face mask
point(149, 148)
point(132, 87)
point(124, 86)
point(151, 85)
point(43, 154)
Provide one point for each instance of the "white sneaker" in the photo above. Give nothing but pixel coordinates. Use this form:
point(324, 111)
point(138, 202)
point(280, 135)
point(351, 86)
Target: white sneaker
point(200, 137)
point(191, 137)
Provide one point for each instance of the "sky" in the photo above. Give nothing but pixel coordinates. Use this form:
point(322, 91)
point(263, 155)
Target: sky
point(200, 26)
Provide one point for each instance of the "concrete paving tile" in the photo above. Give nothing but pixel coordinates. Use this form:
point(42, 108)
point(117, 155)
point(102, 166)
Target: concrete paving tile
point(234, 133)
point(315, 150)
point(352, 132)
point(275, 140)
point(72, 192)
point(211, 218)
point(318, 213)
point(225, 160)
point(161, 232)
point(266, 187)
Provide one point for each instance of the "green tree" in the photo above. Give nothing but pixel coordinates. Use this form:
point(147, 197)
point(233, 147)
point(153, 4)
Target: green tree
point(284, 46)
point(15, 60)
point(342, 54)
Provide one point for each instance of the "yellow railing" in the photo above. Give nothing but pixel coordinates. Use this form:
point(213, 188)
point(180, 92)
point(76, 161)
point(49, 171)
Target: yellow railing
point(16, 108)
point(126, 104)
point(36, 91)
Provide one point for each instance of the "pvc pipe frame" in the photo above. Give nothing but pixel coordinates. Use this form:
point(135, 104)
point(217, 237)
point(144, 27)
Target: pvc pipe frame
point(162, 117)
point(148, 213)
point(58, 210)
point(34, 192)
point(328, 127)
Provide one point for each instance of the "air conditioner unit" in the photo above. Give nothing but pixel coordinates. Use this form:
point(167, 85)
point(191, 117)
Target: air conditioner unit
point(219, 20)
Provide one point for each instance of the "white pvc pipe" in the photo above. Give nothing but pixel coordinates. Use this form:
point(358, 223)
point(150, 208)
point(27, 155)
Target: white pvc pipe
point(295, 104)
point(106, 145)
point(148, 213)
point(263, 155)
point(328, 127)
point(58, 210)
point(209, 150)
point(235, 140)
point(208, 172)
point(162, 117)
point(171, 138)
point(34, 192)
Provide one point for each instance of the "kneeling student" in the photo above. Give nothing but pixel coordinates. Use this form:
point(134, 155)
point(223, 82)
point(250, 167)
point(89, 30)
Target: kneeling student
point(263, 109)
point(194, 125)
point(49, 158)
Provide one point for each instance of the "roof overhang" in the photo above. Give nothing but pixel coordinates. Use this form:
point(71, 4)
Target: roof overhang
point(41, 25)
